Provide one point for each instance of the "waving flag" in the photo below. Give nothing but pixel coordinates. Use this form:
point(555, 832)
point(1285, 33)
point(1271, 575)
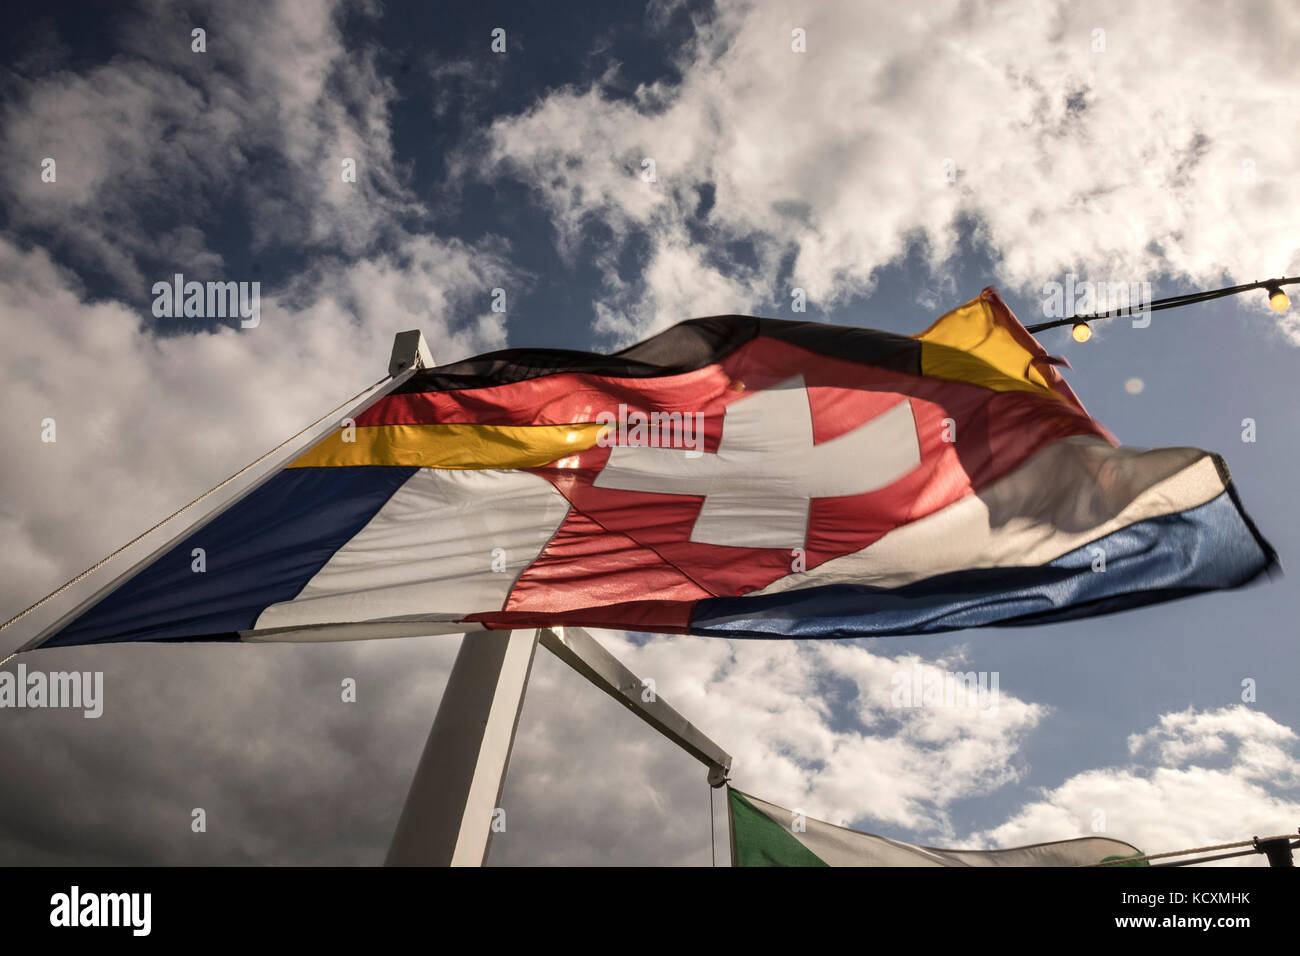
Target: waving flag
point(763, 834)
point(731, 476)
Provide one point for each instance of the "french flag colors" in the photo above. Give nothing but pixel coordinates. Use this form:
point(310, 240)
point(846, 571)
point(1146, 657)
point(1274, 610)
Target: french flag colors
point(733, 476)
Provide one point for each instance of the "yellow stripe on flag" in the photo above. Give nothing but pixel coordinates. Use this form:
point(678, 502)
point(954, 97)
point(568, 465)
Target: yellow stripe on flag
point(452, 446)
point(969, 345)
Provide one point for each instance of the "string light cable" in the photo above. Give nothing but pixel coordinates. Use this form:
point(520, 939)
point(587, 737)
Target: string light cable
point(1278, 300)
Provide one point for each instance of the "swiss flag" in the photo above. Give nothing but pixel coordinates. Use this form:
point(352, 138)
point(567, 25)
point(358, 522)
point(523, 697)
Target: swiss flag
point(805, 458)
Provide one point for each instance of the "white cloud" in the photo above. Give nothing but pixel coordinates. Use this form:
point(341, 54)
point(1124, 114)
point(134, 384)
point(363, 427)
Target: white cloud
point(160, 134)
point(146, 421)
point(833, 158)
point(1198, 779)
point(152, 144)
point(145, 424)
point(809, 725)
point(1164, 153)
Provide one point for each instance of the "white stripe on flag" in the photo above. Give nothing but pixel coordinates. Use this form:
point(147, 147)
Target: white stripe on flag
point(430, 552)
point(1073, 491)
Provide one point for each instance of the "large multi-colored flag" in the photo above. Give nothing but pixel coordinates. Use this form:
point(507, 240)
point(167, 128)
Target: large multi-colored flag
point(731, 476)
point(763, 834)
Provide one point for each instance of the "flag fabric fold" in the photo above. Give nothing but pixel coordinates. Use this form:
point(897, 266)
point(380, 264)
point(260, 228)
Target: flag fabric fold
point(764, 834)
point(731, 476)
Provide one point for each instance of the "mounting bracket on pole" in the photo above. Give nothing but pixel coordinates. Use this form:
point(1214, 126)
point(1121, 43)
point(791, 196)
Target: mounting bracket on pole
point(1278, 851)
point(409, 351)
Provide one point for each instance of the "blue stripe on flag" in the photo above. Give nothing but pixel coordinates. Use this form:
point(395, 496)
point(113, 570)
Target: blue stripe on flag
point(261, 551)
point(1203, 548)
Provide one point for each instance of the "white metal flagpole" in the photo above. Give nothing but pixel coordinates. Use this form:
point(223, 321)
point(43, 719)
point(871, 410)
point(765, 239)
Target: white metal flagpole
point(452, 805)
point(451, 809)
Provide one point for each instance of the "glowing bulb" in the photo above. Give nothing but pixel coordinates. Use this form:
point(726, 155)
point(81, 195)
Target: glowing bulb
point(1278, 299)
point(1081, 332)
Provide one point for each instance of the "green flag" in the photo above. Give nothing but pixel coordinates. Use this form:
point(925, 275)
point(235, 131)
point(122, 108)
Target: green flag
point(763, 834)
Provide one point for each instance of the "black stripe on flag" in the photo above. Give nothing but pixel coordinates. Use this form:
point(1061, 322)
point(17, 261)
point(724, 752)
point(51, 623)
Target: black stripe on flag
point(687, 346)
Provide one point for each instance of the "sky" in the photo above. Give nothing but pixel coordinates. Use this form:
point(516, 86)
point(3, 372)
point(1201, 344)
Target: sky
point(905, 157)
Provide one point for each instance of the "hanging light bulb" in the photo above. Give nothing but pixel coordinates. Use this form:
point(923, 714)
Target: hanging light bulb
point(1276, 297)
point(1081, 332)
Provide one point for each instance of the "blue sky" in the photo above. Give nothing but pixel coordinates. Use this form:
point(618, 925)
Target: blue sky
point(1142, 158)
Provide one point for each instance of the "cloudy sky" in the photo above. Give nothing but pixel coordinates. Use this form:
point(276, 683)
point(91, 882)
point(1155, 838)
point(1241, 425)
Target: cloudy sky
point(906, 157)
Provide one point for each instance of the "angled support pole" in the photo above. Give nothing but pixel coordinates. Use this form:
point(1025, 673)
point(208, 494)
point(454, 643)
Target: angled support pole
point(585, 655)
